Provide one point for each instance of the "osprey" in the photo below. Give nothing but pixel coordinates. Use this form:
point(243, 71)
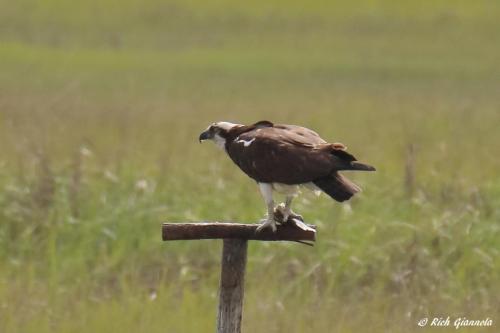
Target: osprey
point(284, 158)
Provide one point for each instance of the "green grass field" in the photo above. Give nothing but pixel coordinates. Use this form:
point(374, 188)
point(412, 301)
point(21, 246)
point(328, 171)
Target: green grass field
point(101, 105)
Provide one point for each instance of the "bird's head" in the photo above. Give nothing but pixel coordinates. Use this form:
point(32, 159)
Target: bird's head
point(218, 132)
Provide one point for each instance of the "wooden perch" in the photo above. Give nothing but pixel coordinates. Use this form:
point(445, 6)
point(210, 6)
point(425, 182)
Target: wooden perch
point(293, 229)
point(220, 230)
point(232, 286)
point(234, 256)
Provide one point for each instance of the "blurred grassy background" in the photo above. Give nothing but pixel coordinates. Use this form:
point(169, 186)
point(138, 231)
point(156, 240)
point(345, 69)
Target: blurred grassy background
point(101, 104)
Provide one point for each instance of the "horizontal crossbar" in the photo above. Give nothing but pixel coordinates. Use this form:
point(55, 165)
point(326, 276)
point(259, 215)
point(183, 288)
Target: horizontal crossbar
point(223, 230)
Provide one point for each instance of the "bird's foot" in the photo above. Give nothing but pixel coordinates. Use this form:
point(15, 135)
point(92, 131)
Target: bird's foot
point(268, 222)
point(282, 213)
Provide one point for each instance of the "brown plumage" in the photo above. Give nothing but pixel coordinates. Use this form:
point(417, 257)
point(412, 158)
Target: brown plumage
point(290, 155)
point(287, 154)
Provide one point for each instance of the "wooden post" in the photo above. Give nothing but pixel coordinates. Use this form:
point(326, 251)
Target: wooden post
point(234, 257)
point(231, 288)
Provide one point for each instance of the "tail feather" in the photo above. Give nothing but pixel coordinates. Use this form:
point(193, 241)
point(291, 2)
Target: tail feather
point(337, 187)
point(355, 165)
point(346, 161)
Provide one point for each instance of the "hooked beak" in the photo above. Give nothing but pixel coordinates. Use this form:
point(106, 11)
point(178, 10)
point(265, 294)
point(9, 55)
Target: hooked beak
point(205, 136)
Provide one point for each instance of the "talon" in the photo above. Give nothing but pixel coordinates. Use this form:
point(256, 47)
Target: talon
point(287, 214)
point(267, 223)
point(280, 213)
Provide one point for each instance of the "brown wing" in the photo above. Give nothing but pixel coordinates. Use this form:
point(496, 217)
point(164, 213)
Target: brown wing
point(283, 153)
point(297, 135)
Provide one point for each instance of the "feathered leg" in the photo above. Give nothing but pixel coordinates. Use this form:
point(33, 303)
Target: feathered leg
point(267, 193)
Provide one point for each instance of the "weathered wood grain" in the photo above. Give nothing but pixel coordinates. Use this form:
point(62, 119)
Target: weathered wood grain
point(232, 282)
point(222, 230)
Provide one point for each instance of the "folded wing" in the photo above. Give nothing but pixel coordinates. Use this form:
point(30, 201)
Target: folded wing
point(286, 154)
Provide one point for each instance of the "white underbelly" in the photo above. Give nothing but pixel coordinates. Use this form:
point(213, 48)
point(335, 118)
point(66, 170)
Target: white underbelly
point(293, 190)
